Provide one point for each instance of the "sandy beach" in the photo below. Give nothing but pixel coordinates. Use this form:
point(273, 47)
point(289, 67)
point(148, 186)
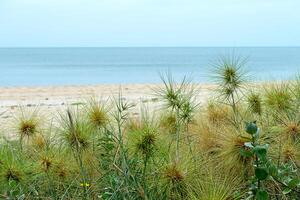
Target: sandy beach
point(51, 99)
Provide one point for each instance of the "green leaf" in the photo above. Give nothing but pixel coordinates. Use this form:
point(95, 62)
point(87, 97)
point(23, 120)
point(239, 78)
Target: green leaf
point(246, 153)
point(251, 128)
point(261, 173)
point(286, 191)
point(294, 182)
point(262, 195)
point(261, 151)
point(273, 170)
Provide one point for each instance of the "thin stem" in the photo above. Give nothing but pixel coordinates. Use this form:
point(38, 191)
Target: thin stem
point(177, 134)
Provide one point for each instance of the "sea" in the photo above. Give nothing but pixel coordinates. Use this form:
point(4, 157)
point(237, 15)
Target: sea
point(118, 65)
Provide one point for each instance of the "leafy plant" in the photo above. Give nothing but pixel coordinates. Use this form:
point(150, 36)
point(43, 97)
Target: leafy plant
point(265, 170)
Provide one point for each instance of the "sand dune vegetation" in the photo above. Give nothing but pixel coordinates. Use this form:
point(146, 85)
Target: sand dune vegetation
point(241, 144)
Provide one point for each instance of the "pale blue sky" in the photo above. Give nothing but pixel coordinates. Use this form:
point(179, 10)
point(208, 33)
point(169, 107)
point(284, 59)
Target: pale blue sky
point(149, 23)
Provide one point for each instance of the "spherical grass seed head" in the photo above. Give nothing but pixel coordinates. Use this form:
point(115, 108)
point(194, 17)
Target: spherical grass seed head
point(175, 182)
point(289, 154)
point(97, 114)
point(146, 144)
point(27, 127)
point(229, 73)
point(292, 130)
point(62, 165)
point(75, 131)
point(173, 174)
point(77, 139)
point(254, 101)
point(98, 118)
point(174, 94)
point(46, 163)
point(61, 171)
point(12, 173)
point(27, 123)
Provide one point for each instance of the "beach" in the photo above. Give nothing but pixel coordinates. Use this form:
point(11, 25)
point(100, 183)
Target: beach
point(52, 99)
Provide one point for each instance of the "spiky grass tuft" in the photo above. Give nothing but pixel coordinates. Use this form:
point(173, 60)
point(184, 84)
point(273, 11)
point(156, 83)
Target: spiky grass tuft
point(216, 182)
point(28, 124)
point(175, 185)
point(146, 143)
point(167, 123)
point(278, 98)
point(254, 101)
point(217, 114)
point(290, 152)
point(232, 144)
point(46, 162)
point(12, 174)
point(97, 113)
point(74, 130)
point(229, 73)
point(292, 130)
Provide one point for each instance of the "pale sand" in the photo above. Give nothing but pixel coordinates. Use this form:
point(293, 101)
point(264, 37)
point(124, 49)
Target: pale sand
point(51, 99)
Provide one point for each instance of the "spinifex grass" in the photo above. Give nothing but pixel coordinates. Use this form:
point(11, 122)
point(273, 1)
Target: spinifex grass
point(230, 76)
point(28, 124)
point(278, 98)
point(254, 101)
point(143, 142)
point(76, 133)
point(179, 98)
point(97, 113)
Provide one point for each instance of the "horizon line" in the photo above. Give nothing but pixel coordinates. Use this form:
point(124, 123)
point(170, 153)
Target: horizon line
point(242, 46)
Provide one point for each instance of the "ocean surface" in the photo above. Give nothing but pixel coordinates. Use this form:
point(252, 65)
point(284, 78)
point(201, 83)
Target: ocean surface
point(79, 66)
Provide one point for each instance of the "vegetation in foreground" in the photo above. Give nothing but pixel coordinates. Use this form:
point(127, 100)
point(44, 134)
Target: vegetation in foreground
point(242, 144)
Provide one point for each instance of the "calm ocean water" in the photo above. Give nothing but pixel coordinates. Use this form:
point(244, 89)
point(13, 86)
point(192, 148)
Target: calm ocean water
point(57, 66)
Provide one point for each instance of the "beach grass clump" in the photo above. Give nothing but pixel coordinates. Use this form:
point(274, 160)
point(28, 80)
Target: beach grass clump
point(295, 90)
point(28, 124)
point(233, 150)
point(16, 171)
point(167, 123)
point(292, 130)
point(290, 153)
point(75, 131)
point(278, 98)
point(180, 100)
point(39, 142)
point(255, 103)
point(27, 127)
point(230, 76)
point(175, 186)
point(216, 182)
point(97, 113)
point(217, 114)
point(146, 142)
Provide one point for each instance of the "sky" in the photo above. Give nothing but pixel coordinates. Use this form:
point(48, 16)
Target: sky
point(126, 23)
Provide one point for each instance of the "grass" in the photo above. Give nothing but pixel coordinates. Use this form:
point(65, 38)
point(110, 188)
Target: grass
point(100, 150)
